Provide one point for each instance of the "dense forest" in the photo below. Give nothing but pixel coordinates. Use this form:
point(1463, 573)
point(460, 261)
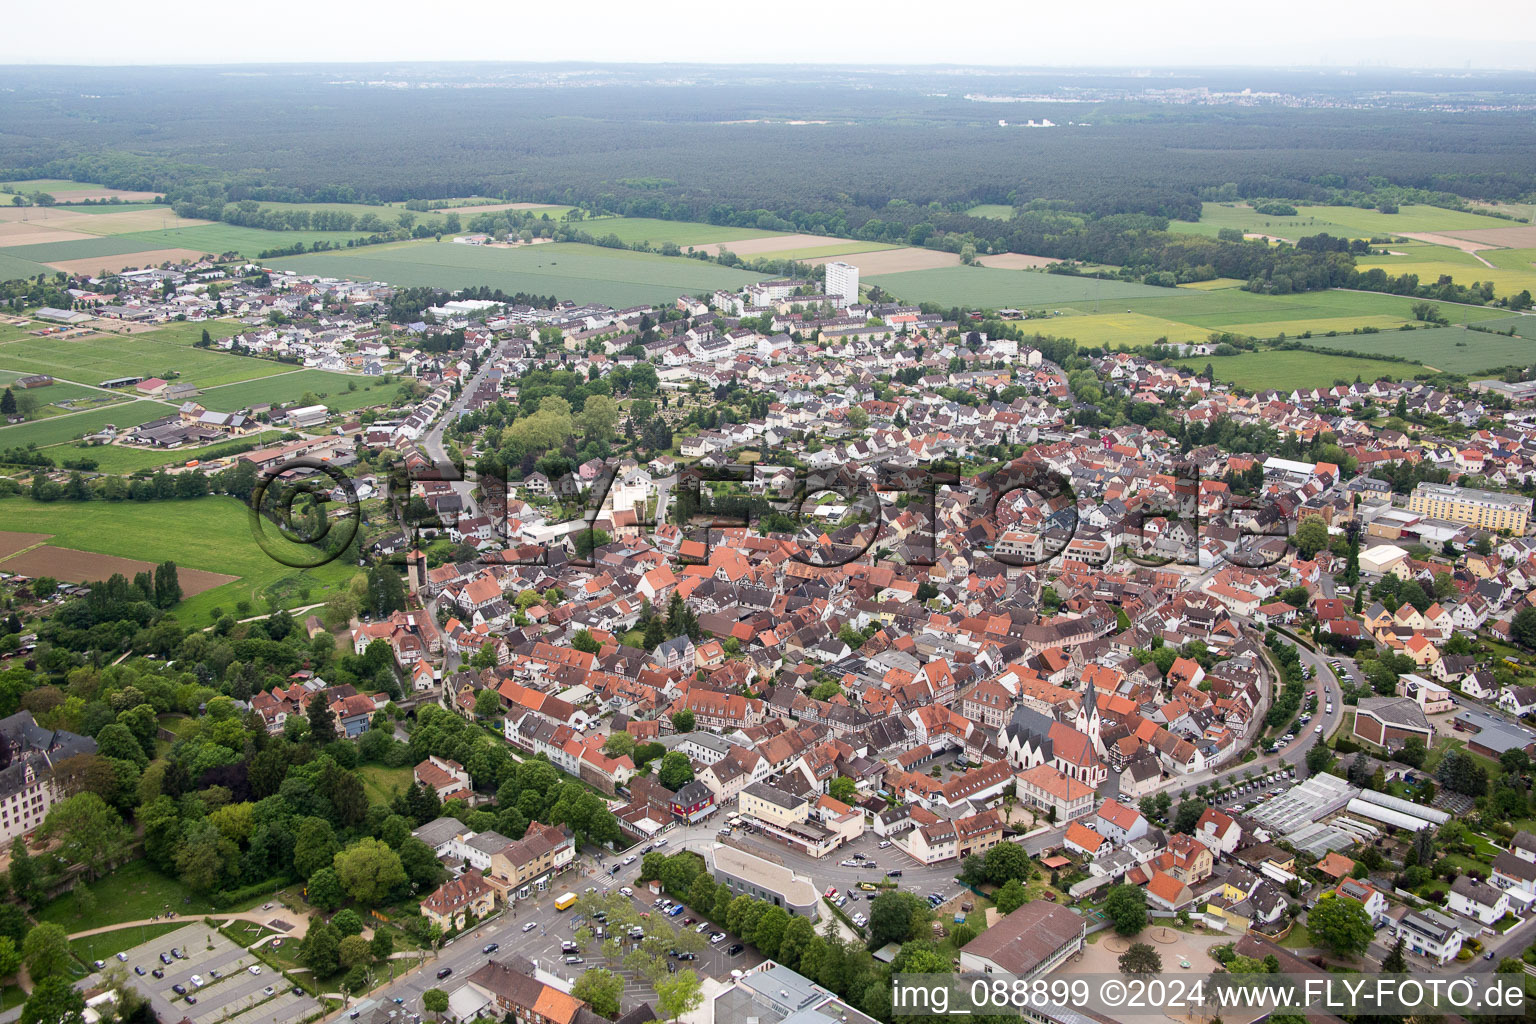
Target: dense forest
point(629, 143)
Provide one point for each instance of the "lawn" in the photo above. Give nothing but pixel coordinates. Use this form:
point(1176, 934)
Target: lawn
point(381, 784)
point(583, 273)
point(992, 211)
point(681, 232)
point(332, 389)
point(1454, 349)
point(134, 892)
point(107, 944)
point(989, 288)
point(1285, 371)
point(211, 533)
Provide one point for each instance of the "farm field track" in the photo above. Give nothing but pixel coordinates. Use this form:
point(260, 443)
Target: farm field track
point(86, 566)
point(981, 287)
point(126, 261)
point(1521, 237)
point(195, 534)
point(583, 273)
point(1015, 261)
point(1453, 349)
point(12, 542)
point(1445, 242)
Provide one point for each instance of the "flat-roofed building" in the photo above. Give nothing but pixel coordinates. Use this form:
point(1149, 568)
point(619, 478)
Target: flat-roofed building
point(1489, 510)
point(745, 873)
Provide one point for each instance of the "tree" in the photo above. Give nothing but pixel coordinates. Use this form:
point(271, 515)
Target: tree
point(382, 944)
point(314, 847)
point(368, 871)
point(842, 788)
point(1523, 626)
point(1395, 962)
point(585, 642)
point(1318, 759)
point(682, 720)
point(167, 585)
point(7, 403)
point(10, 956)
point(1010, 897)
point(354, 951)
point(894, 917)
point(1007, 861)
point(487, 704)
point(348, 922)
point(600, 989)
point(321, 950)
point(619, 744)
point(676, 770)
point(1341, 924)
point(1188, 816)
point(322, 723)
point(1126, 908)
point(46, 950)
point(678, 994)
point(1311, 535)
point(435, 1000)
point(89, 832)
point(54, 1000)
point(1141, 958)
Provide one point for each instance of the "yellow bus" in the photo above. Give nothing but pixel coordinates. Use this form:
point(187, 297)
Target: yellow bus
point(566, 902)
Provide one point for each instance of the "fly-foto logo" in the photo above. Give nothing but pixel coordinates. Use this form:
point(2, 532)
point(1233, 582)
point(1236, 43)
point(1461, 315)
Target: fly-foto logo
point(306, 512)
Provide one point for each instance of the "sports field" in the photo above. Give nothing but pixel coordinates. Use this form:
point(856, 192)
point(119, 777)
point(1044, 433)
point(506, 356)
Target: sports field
point(95, 358)
point(1284, 371)
point(984, 287)
point(205, 533)
point(1454, 349)
point(583, 273)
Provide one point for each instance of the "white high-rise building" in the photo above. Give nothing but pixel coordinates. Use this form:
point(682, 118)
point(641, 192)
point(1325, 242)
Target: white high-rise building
point(843, 281)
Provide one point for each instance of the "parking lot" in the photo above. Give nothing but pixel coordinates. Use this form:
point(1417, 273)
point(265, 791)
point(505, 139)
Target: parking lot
point(229, 991)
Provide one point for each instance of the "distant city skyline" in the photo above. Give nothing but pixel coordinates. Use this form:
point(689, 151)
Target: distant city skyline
point(1409, 34)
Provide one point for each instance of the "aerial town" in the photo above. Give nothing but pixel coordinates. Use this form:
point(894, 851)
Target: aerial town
point(781, 620)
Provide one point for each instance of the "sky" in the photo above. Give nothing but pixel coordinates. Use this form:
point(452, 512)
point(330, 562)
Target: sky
point(1400, 33)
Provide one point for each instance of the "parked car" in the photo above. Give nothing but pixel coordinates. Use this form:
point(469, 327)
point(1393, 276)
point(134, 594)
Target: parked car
point(269, 990)
point(625, 890)
point(99, 964)
point(179, 989)
point(716, 937)
point(735, 949)
point(165, 958)
point(660, 843)
point(859, 919)
point(702, 928)
point(122, 957)
point(687, 956)
point(893, 874)
point(157, 973)
point(574, 960)
point(192, 1000)
point(885, 844)
point(197, 979)
point(254, 968)
point(139, 971)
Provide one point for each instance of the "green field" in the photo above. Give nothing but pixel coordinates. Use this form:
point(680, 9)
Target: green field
point(1112, 330)
point(682, 232)
point(1524, 326)
point(120, 208)
point(83, 248)
point(222, 238)
point(1346, 221)
point(111, 458)
point(93, 359)
point(205, 533)
point(54, 186)
point(985, 287)
point(1285, 371)
point(55, 429)
point(812, 252)
point(992, 211)
point(1460, 268)
point(13, 267)
point(1454, 349)
point(58, 391)
point(330, 388)
point(583, 273)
